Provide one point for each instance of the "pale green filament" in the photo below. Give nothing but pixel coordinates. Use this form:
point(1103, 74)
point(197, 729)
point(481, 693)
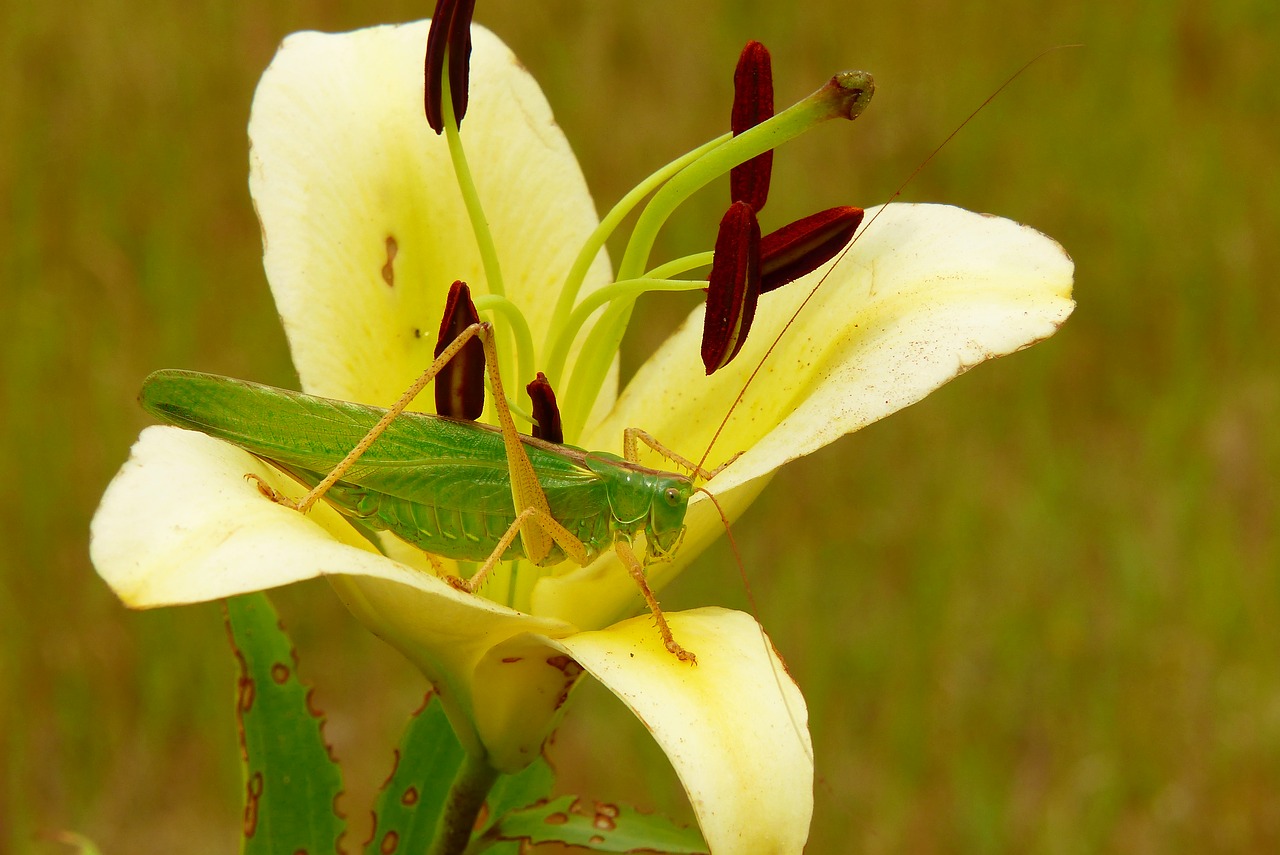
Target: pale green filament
point(590, 249)
point(682, 265)
point(627, 289)
point(475, 212)
point(845, 96)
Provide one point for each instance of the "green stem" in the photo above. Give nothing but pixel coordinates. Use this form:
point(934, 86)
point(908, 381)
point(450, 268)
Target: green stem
point(471, 786)
point(475, 211)
point(471, 198)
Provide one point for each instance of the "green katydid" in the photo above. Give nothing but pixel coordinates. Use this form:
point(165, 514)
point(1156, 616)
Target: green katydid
point(454, 488)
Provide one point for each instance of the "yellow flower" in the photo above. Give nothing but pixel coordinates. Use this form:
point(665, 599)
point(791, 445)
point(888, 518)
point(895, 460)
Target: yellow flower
point(364, 229)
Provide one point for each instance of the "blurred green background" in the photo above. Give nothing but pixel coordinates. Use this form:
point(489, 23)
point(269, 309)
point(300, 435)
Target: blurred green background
point(1039, 612)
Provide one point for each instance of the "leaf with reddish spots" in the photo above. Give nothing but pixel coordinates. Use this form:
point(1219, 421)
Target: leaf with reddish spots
point(81, 844)
point(292, 781)
point(414, 794)
point(601, 826)
point(531, 786)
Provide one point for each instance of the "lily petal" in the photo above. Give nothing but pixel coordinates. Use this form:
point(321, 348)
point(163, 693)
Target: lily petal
point(728, 725)
point(602, 592)
point(180, 523)
point(363, 224)
point(926, 293)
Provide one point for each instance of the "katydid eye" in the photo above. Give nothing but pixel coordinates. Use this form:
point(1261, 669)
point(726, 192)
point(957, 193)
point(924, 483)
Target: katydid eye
point(673, 496)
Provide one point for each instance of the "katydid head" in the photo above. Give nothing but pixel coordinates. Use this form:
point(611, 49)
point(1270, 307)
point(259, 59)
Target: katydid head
point(666, 515)
point(644, 500)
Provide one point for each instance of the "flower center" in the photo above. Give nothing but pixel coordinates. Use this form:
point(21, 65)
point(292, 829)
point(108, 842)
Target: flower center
point(585, 331)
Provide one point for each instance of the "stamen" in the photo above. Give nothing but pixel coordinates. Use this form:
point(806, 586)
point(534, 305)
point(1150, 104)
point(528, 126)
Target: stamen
point(460, 384)
point(450, 35)
point(752, 104)
point(734, 287)
point(805, 245)
point(546, 415)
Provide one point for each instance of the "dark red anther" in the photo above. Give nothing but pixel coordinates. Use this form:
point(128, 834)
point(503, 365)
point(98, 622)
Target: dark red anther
point(805, 245)
point(546, 413)
point(460, 384)
point(450, 33)
point(752, 104)
point(733, 288)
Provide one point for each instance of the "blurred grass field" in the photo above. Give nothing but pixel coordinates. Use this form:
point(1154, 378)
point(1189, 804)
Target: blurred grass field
point(1038, 612)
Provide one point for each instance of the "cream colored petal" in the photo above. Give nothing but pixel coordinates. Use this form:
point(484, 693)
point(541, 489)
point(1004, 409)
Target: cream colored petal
point(926, 293)
point(180, 523)
point(363, 224)
point(500, 683)
point(734, 726)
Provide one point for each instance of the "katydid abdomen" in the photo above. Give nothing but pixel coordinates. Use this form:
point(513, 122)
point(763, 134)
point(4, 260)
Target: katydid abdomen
point(441, 484)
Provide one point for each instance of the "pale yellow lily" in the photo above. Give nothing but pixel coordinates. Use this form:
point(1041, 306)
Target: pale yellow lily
point(364, 229)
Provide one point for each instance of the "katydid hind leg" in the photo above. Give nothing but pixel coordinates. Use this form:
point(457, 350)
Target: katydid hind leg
point(565, 539)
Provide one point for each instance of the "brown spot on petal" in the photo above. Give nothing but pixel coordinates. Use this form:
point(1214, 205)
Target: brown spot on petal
point(410, 796)
point(556, 819)
point(389, 843)
point(280, 673)
point(389, 269)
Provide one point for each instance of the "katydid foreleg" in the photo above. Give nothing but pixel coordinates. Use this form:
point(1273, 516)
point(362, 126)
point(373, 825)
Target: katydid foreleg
point(632, 437)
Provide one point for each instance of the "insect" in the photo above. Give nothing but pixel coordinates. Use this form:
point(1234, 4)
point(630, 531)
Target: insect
point(454, 488)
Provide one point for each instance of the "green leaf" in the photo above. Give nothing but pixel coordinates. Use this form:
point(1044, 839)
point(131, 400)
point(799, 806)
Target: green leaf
point(523, 789)
point(82, 844)
point(291, 780)
point(511, 792)
point(412, 798)
point(602, 827)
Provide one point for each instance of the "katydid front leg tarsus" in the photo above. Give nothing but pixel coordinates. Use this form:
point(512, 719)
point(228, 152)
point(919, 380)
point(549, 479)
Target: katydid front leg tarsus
point(632, 437)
